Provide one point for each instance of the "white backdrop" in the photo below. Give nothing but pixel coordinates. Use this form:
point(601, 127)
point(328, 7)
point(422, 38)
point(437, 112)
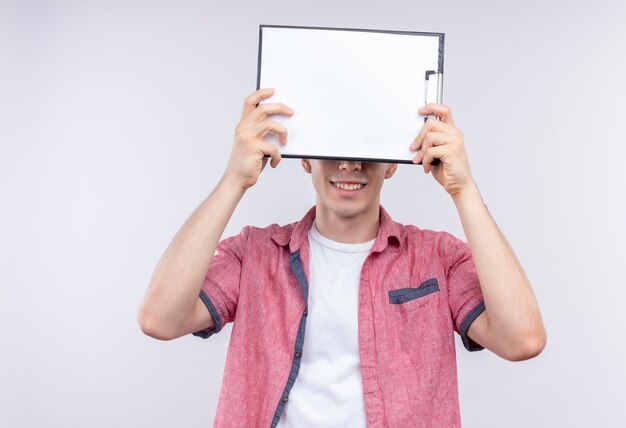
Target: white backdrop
point(117, 119)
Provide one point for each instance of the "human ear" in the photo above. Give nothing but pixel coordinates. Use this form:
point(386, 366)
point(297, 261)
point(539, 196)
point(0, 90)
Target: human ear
point(391, 170)
point(306, 165)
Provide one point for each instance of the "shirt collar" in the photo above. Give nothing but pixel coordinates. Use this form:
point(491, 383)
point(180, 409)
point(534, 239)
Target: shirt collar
point(388, 232)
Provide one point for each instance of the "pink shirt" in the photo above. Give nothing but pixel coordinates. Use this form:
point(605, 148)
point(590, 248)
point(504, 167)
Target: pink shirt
point(417, 287)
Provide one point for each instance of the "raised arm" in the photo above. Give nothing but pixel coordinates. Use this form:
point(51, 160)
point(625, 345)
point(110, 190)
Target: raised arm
point(511, 325)
point(171, 306)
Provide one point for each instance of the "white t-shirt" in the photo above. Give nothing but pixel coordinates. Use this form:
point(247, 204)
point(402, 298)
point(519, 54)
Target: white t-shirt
point(328, 391)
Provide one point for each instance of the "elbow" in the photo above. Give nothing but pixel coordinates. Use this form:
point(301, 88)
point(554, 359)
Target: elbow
point(150, 326)
point(530, 347)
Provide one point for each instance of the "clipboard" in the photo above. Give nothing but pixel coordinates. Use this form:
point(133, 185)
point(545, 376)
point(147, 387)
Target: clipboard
point(355, 92)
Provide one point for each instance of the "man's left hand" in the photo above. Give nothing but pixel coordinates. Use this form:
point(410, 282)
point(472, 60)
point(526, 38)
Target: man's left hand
point(440, 139)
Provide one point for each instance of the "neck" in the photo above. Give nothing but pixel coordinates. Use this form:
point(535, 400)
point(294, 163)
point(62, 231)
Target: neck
point(348, 229)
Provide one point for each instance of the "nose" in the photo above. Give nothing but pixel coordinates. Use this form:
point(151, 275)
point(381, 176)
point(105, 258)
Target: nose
point(346, 165)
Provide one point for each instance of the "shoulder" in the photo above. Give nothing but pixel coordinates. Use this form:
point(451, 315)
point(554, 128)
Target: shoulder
point(414, 235)
point(435, 244)
point(254, 237)
point(274, 233)
point(433, 249)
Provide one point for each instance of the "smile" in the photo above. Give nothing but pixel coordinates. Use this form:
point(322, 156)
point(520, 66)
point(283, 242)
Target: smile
point(349, 186)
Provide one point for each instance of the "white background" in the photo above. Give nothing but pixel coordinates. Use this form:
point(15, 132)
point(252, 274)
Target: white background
point(116, 121)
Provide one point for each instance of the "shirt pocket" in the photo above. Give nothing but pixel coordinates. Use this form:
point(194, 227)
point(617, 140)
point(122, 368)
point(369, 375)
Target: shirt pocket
point(412, 297)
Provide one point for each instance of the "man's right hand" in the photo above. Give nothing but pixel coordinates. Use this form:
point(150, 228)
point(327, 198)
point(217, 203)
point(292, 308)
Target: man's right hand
point(247, 158)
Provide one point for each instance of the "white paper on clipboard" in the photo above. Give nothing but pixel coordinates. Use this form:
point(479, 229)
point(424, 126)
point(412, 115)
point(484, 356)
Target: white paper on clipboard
point(355, 92)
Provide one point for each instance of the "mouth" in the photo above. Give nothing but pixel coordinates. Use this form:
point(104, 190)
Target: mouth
point(348, 187)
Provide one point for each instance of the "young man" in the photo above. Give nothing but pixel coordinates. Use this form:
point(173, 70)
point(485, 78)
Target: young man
point(379, 301)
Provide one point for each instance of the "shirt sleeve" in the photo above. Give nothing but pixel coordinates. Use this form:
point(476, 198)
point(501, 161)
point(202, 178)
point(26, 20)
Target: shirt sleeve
point(464, 293)
point(220, 290)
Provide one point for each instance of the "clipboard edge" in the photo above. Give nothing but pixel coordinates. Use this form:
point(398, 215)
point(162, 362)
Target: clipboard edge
point(405, 161)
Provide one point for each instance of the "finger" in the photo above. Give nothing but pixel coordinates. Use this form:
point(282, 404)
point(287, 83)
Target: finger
point(431, 154)
point(432, 126)
point(442, 111)
point(416, 161)
point(264, 110)
point(253, 99)
point(265, 127)
point(432, 139)
point(264, 162)
point(272, 151)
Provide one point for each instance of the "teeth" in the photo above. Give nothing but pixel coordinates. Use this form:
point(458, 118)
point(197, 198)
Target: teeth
point(348, 186)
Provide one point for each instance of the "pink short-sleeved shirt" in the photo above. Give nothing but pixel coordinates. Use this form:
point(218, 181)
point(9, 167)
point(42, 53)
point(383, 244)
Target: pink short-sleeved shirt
point(417, 287)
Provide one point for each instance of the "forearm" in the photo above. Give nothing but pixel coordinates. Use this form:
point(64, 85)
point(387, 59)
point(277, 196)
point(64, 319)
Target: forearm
point(513, 316)
point(178, 278)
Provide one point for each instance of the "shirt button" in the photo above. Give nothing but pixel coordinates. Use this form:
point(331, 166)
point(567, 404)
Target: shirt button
point(285, 399)
point(298, 354)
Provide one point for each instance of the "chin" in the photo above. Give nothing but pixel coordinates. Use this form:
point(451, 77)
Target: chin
point(347, 209)
point(342, 206)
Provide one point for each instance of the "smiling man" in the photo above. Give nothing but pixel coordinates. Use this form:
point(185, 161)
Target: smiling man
point(345, 318)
